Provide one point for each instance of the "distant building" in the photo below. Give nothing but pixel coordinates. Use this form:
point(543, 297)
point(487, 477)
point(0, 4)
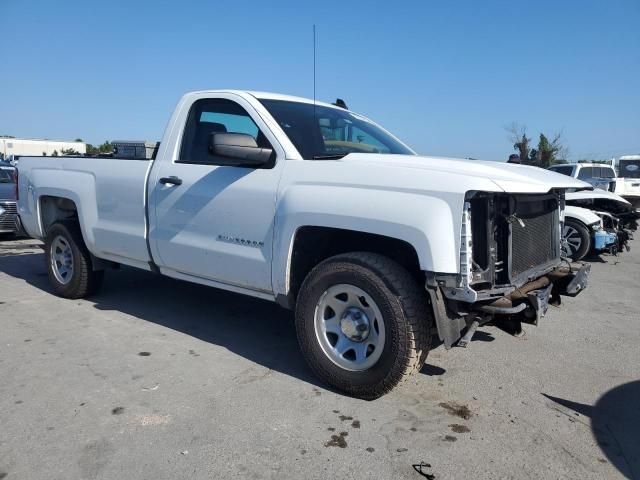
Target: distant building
point(12, 147)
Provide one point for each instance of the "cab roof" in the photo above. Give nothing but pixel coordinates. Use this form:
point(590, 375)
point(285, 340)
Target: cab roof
point(270, 96)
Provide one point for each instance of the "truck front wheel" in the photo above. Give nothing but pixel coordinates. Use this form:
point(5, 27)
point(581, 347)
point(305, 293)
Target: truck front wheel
point(69, 262)
point(363, 323)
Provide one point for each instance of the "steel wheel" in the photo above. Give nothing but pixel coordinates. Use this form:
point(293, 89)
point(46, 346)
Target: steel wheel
point(363, 323)
point(61, 259)
point(573, 239)
point(349, 327)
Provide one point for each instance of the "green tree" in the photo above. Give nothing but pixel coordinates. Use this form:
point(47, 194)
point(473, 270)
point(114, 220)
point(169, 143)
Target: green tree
point(91, 150)
point(55, 153)
point(106, 147)
point(69, 151)
point(518, 138)
point(548, 152)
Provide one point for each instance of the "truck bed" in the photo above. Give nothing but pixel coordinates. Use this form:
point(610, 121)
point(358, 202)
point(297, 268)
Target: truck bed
point(109, 194)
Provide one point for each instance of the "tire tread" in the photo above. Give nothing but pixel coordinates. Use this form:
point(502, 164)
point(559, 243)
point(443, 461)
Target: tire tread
point(412, 302)
point(87, 281)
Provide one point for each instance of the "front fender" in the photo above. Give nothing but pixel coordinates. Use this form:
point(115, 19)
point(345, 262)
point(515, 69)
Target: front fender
point(430, 224)
point(583, 215)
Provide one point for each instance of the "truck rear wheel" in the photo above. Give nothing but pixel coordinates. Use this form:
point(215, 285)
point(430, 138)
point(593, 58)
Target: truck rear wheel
point(363, 323)
point(576, 234)
point(69, 262)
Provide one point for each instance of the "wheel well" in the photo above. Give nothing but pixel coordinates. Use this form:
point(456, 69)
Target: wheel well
point(54, 209)
point(312, 245)
point(575, 220)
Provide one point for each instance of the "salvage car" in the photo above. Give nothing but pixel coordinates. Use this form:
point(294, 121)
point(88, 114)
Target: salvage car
point(8, 206)
point(618, 215)
point(584, 232)
point(320, 209)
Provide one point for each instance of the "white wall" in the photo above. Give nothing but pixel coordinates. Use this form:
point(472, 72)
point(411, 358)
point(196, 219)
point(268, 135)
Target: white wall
point(19, 146)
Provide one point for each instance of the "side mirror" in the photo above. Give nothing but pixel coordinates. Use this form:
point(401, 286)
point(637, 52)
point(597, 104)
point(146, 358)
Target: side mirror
point(241, 148)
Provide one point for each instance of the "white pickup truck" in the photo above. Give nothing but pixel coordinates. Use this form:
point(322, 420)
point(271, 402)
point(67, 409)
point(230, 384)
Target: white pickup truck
point(603, 176)
point(319, 209)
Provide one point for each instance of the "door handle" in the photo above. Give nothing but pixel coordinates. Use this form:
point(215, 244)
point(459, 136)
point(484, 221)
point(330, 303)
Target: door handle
point(171, 181)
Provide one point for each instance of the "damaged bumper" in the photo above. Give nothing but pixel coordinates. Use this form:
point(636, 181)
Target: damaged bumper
point(528, 303)
point(575, 280)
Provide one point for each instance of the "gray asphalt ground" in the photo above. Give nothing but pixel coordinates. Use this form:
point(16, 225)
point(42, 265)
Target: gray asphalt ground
point(159, 379)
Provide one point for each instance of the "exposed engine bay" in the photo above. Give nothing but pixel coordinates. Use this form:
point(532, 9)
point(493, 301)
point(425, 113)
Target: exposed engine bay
point(511, 263)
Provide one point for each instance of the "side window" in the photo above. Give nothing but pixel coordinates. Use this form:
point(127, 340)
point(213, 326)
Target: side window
point(217, 115)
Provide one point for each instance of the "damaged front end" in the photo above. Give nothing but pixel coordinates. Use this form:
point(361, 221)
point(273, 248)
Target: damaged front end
point(614, 228)
point(511, 265)
point(627, 217)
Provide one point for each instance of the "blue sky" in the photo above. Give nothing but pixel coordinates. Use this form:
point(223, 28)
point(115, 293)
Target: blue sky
point(444, 76)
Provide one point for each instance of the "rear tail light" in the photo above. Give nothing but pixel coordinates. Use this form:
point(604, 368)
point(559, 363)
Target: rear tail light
point(15, 176)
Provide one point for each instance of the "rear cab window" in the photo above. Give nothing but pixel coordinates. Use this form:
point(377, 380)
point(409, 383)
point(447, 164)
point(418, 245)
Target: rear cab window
point(629, 168)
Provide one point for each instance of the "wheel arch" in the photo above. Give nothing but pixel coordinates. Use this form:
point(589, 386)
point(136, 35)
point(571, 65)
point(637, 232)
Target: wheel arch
point(584, 215)
point(312, 244)
point(428, 224)
point(61, 208)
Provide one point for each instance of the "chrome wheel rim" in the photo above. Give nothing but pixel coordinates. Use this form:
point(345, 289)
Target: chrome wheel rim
point(573, 238)
point(61, 260)
point(349, 327)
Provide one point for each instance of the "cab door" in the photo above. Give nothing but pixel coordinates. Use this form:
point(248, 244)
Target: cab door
point(213, 219)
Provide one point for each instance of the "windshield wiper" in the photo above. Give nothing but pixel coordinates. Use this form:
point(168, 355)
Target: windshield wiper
point(329, 157)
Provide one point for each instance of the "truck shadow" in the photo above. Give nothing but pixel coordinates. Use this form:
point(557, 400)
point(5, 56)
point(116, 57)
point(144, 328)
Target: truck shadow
point(595, 258)
point(258, 330)
point(615, 423)
point(255, 329)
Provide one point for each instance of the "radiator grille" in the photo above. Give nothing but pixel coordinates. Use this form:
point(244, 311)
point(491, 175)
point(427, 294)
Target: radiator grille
point(7, 218)
point(537, 242)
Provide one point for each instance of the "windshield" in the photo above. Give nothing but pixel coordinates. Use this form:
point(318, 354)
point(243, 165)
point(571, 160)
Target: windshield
point(320, 132)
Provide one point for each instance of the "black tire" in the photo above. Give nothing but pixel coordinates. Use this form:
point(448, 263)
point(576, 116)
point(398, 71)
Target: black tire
point(577, 237)
point(407, 314)
point(84, 281)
